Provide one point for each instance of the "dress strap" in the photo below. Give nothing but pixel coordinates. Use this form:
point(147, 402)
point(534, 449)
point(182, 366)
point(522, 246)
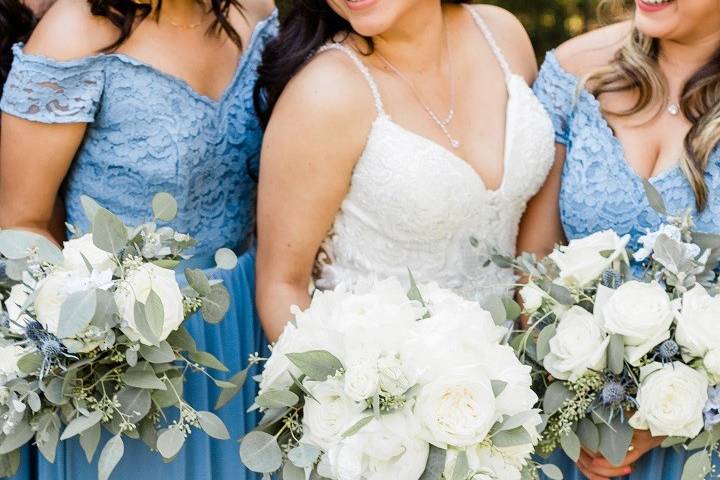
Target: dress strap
point(363, 69)
point(491, 41)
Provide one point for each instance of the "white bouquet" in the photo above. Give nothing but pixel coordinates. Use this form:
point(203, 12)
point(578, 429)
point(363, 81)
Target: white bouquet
point(619, 346)
point(380, 383)
point(92, 336)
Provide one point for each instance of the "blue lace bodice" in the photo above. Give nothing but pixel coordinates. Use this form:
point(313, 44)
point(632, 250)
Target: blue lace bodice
point(599, 189)
point(150, 132)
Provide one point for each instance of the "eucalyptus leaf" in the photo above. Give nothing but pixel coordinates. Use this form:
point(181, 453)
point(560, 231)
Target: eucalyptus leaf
point(317, 365)
point(16, 244)
point(76, 313)
point(560, 294)
point(212, 425)
point(162, 353)
point(414, 292)
point(109, 232)
point(182, 340)
point(277, 398)
point(616, 354)
point(226, 259)
point(654, 198)
point(105, 309)
point(496, 307)
point(435, 466)
point(555, 395)
point(17, 438)
point(170, 442)
point(511, 438)
point(672, 441)
point(512, 308)
point(543, 341)
point(551, 471)
point(54, 392)
point(208, 360)
point(142, 324)
point(34, 402)
point(216, 304)
point(260, 452)
point(518, 420)
point(588, 434)
point(358, 426)
point(81, 423)
point(134, 402)
point(168, 398)
point(164, 206)
point(198, 281)
point(461, 467)
point(110, 456)
point(570, 444)
point(90, 207)
point(498, 387)
point(227, 394)
point(304, 455)
point(701, 441)
point(142, 375)
point(30, 363)
point(706, 241)
point(697, 466)
point(291, 472)
point(155, 314)
point(89, 440)
point(615, 440)
point(48, 435)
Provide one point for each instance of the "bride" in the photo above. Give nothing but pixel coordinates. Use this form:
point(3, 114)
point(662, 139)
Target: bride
point(398, 130)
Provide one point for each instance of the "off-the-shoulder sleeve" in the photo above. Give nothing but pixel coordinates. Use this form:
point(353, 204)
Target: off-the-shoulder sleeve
point(557, 90)
point(48, 91)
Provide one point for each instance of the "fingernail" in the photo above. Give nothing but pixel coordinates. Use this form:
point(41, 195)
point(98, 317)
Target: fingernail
point(627, 471)
point(596, 461)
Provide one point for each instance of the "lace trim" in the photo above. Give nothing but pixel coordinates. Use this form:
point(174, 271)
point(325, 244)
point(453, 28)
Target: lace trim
point(490, 38)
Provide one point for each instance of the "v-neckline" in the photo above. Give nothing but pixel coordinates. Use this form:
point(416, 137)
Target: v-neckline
point(240, 67)
point(614, 139)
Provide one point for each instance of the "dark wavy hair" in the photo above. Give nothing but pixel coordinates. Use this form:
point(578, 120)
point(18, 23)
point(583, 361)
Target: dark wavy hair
point(124, 14)
point(308, 25)
point(16, 23)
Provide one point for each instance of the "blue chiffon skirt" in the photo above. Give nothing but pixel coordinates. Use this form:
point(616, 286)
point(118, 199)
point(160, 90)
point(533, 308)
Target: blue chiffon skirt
point(658, 464)
point(202, 458)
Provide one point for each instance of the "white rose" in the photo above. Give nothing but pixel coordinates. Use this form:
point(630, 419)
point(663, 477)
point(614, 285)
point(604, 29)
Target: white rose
point(671, 399)
point(278, 368)
point(532, 297)
point(711, 362)
point(137, 287)
point(9, 356)
point(74, 251)
point(584, 260)
point(642, 313)
point(385, 448)
point(697, 330)
point(395, 378)
point(489, 463)
point(457, 409)
point(51, 294)
point(361, 381)
point(328, 413)
point(579, 345)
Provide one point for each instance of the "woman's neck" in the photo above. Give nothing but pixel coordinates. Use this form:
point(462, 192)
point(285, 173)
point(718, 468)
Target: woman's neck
point(683, 58)
point(183, 11)
point(417, 43)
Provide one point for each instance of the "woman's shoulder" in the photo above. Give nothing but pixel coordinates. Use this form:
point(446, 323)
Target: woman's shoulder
point(69, 31)
point(585, 53)
point(511, 37)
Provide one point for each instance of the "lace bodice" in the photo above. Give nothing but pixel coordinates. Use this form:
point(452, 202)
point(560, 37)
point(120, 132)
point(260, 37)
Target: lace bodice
point(599, 189)
point(149, 132)
point(413, 204)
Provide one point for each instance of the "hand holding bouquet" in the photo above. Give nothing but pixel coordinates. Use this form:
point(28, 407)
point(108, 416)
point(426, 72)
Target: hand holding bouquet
point(92, 337)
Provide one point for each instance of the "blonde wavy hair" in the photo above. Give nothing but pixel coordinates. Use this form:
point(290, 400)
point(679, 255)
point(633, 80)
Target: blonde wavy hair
point(635, 68)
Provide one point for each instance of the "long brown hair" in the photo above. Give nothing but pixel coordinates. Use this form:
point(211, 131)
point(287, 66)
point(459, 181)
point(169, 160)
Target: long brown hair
point(635, 67)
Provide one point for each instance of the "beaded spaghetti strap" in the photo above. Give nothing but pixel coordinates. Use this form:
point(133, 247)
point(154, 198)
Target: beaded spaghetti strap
point(491, 41)
point(365, 72)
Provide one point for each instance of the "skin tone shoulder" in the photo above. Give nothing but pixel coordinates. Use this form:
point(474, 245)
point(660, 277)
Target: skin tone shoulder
point(68, 32)
point(322, 121)
point(652, 140)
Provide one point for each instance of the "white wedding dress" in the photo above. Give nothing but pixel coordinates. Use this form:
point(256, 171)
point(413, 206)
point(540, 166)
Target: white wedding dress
point(414, 205)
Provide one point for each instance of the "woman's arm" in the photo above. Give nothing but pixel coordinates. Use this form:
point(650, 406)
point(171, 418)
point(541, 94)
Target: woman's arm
point(541, 228)
point(315, 136)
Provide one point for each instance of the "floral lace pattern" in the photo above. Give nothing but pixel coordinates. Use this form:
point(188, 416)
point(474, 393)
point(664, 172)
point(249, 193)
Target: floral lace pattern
point(150, 132)
point(599, 189)
point(415, 205)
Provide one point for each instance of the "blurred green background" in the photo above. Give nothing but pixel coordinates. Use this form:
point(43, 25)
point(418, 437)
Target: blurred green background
point(549, 22)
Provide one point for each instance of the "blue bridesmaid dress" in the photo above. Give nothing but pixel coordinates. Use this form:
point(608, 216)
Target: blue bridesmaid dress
point(149, 132)
point(599, 191)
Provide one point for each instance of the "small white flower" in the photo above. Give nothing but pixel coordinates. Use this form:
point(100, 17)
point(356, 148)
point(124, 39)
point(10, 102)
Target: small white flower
point(9, 356)
point(329, 413)
point(532, 297)
point(74, 251)
point(673, 233)
point(584, 260)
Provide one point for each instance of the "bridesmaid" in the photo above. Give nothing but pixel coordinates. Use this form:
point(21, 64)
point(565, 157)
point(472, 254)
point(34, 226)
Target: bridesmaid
point(638, 99)
point(16, 23)
point(166, 105)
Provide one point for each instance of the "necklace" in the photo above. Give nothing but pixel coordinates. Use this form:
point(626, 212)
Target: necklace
point(185, 26)
point(442, 123)
point(673, 109)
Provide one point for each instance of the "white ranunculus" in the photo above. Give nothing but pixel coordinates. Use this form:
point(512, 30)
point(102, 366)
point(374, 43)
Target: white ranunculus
point(584, 260)
point(671, 400)
point(579, 345)
point(642, 313)
point(697, 328)
point(137, 287)
point(74, 251)
point(328, 413)
point(50, 295)
point(9, 356)
point(361, 381)
point(532, 297)
point(456, 409)
point(711, 362)
point(385, 448)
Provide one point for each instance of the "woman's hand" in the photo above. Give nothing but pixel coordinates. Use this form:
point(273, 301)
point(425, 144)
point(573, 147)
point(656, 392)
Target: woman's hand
point(596, 467)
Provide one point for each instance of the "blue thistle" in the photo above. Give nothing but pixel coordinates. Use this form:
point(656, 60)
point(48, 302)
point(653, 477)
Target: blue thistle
point(667, 351)
point(48, 345)
point(611, 278)
point(613, 393)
